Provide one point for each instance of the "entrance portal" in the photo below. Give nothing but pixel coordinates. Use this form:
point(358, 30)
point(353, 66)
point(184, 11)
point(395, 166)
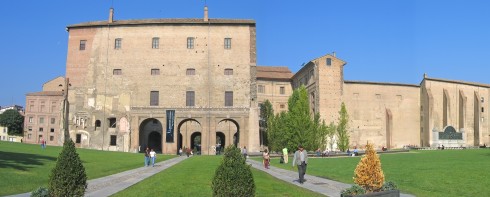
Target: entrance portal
point(150, 135)
point(196, 142)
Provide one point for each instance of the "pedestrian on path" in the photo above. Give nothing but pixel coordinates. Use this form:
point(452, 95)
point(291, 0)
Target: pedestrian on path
point(285, 154)
point(301, 160)
point(147, 157)
point(244, 153)
point(267, 158)
point(153, 156)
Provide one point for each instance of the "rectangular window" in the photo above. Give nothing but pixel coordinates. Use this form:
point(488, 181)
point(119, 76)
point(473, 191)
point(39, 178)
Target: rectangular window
point(82, 44)
point(155, 42)
point(228, 71)
point(79, 138)
point(282, 90)
point(229, 98)
point(29, 128)
point(112, 122)
point(41, 120)
point(30, 119)
point(53, 120)
point(29, 136)
point(113, 140)
point(190, 42)
point(261, 89)
point(329, 61)
point(154, 98)
point(52, 130)
point(41, 129)
point(117, 72)
point(51, 138)
point(190, 71)
point(117, 43)
point(227, 43)
point(155, 71)
point(189, 98)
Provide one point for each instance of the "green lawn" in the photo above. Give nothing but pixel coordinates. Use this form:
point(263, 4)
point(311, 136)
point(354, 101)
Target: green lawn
point(193, 177)
point(27, 166)
point(422, 173)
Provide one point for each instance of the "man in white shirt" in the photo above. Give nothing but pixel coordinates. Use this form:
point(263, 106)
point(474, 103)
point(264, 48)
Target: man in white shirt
point(301, 159)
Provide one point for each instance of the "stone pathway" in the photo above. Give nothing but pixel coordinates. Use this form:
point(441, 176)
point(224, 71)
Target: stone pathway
point(320, 185)
point(106, 186)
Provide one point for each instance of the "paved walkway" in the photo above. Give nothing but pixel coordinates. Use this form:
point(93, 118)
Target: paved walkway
point(106, 186)
point(320, 185)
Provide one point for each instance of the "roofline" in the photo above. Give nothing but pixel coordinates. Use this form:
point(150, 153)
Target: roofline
point(195, 21)
point(456, 81)
point(381, 83)
point(53, 79)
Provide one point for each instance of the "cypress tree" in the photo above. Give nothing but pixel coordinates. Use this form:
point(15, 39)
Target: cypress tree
point(233, 177)
point(68, 177)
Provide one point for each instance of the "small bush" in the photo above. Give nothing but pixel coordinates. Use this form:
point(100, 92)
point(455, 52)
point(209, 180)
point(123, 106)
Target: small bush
point(368, 173)
point(388, 186)
point(68, 177)
point(354, 190)
point(233, 177)
point(40, 192)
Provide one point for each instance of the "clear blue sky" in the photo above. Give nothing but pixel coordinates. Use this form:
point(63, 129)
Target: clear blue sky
point(382, 41)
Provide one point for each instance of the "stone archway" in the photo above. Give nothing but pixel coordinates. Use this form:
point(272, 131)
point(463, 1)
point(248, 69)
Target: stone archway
point(185, 129)
point(231, 130)
point(150, 134)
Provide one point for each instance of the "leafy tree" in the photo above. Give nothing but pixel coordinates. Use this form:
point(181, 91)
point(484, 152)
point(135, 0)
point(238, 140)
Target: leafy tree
point(13, 120)
point(343, 141)
point(297, 126)
point(233, 177)
point(68, 177)
point(368, 173)
point(266, 113)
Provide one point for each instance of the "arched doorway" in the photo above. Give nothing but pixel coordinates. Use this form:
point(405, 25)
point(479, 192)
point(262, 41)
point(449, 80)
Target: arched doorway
point(220, 142)
point(187, 130)
point(150, 134)
point(155, 141)
point(230, 129)
point(196, 142)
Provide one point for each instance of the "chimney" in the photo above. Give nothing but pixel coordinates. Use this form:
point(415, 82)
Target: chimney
point(333, 54)
point(206, 19)
point(111, 15)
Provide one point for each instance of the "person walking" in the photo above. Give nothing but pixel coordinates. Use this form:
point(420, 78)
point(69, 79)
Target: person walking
point(180, 151)
point(153, 156)
point(285, 154)
point(301, 160)
point(42, 143)
point(244, 153)
point(147, 157)
point(267, 158)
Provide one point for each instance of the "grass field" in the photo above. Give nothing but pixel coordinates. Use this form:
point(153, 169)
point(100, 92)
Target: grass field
point(422, 173)
point(24, 167)
point(193, 177)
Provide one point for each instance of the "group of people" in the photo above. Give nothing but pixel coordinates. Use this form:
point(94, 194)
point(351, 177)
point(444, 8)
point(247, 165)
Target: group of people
point(300, 160)
point(150, 156)
point(188, 151)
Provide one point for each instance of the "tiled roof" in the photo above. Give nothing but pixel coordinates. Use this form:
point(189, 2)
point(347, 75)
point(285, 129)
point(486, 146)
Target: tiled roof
point(164, 21)
point(46, 93)
point(274, 72)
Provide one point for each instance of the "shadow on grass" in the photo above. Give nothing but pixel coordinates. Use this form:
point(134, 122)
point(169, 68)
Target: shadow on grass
point(21, 161)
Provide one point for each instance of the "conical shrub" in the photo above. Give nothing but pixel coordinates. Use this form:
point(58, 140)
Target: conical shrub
point(233, 177)
point(368, 173)
point(68, 177)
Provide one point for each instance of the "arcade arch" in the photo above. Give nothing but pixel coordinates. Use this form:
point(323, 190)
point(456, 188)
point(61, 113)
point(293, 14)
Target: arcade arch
point(150, 134)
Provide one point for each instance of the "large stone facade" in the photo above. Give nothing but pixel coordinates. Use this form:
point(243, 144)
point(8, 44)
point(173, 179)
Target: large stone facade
point(163, 83)
point(394, 115)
